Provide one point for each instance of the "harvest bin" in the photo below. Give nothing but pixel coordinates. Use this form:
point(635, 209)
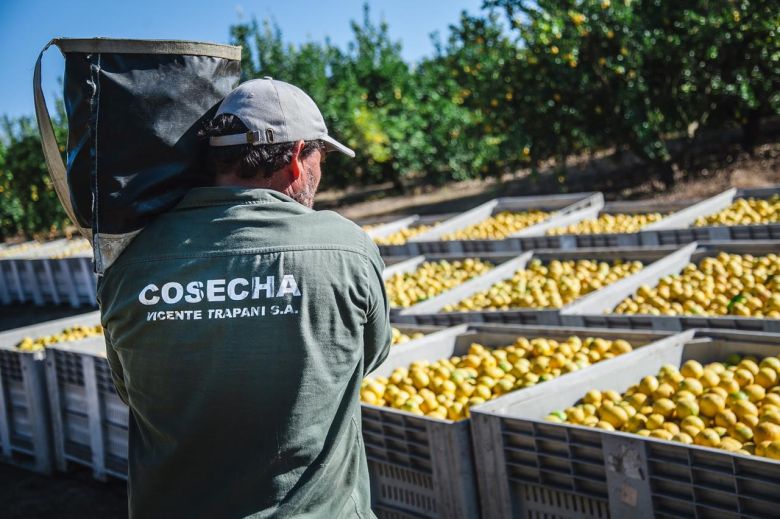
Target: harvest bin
point(594, 309)
point(424, 467)
point(25, 427)
point(677, 234)
point(429, 312)
point(529, 467)
point(565, 209)
point(409, 265)
point(89, 420)
point(39, 276)
point(398, 224)
point(674, 229)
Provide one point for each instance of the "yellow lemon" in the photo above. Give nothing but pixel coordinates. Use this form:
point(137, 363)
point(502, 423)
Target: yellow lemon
point(707, 438)
point(664, 407)
point(730, 444)
point(692, 369)
point(711, 404)
point(766, 431)
point(683, 438)
point(686, 407)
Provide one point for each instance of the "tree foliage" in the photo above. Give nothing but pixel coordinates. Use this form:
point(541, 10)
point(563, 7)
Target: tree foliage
point(516, 84)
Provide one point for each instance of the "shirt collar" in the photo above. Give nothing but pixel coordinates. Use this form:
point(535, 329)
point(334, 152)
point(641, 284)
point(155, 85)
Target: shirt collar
point(213, 196)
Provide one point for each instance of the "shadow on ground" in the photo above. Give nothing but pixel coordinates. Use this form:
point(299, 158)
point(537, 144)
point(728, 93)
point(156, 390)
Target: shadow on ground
point(74, 495)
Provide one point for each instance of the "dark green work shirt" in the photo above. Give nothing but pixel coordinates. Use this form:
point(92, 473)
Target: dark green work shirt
point(239, 327)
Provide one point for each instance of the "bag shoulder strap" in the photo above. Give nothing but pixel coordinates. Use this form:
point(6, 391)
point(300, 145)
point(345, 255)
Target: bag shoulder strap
point(51, 152)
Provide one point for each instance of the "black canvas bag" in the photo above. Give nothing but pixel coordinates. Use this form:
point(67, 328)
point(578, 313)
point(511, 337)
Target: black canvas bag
point(134, 108)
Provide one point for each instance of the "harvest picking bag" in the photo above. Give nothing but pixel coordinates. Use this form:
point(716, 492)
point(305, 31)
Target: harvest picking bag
point(134, 108)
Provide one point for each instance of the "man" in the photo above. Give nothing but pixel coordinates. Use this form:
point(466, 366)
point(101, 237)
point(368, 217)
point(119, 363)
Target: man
point(239, 327)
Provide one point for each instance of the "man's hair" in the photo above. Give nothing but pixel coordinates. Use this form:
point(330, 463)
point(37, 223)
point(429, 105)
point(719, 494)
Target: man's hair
point(246, 160)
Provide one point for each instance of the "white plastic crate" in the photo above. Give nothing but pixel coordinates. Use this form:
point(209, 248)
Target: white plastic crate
point(529, 467)
point(25, 427)
point(594, 309)
point(408, 248)
point(422, 466)
point(36, 276)
point(674, 229)
point(679, 230)
point(89, 420)
point(429, 312)
point(565, 209)
point(386, 229)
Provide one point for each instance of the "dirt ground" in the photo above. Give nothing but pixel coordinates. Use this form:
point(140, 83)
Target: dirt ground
point(77, 495)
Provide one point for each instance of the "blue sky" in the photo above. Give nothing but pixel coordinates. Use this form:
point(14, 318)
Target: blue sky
point(27, 25)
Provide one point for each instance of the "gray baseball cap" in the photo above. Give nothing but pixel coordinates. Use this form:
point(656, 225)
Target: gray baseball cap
point(275, 112)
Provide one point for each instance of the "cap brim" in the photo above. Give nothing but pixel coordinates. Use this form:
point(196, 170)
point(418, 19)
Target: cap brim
point(333, 145)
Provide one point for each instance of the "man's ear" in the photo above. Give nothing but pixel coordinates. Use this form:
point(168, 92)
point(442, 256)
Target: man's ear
point(296, 166)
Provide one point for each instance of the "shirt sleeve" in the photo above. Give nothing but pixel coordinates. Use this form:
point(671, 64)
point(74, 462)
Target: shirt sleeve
point(377, 332)
point(117, 373)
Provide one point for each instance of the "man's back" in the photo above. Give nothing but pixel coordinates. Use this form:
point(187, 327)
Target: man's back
point(240, 326)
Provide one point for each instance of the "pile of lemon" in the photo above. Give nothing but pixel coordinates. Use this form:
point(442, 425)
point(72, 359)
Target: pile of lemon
point(402, 236)
point(77, 247)
point(72, 333)
point(399, 337)
point(447, 388)
point(498, 226)
point(21, 248)
point(547, 286)
point(732, 405)
point(431, 279)
point(608, 224)
point(744, 211)
point(726, 284)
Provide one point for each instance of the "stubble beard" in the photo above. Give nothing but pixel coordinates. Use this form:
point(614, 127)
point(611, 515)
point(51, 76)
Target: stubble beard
point(306, 195)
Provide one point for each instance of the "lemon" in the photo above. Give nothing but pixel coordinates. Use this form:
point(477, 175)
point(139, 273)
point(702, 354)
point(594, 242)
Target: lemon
point(692, 369)
point(648, 385)
point(755, 392)
point(664, 407)
point(730, 444)
point(605, 425)
point(743, 377)
point(664, 391)
point(743, 408)
point(766, 377)
point(707, 438)
point(636, 422)
point(693, 421)
point(725, 418)
point(661, 433)
point(766, 431)
point(772, 450)
point(742, 432)
point(682, 438)
point(711, 404)
point(692, 385)
point(686, 407)
point(709, 378)
point(654, 421)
